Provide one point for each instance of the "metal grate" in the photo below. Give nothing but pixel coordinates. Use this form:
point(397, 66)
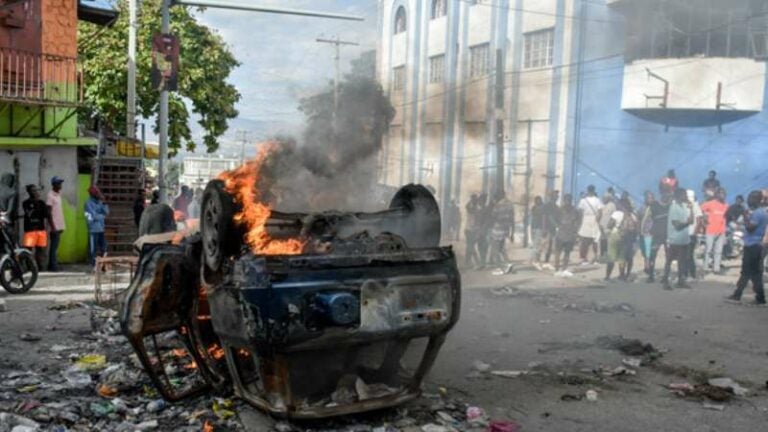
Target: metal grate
point(112, 277)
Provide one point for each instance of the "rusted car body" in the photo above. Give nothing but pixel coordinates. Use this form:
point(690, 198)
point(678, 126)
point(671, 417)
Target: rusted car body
point(352, 325)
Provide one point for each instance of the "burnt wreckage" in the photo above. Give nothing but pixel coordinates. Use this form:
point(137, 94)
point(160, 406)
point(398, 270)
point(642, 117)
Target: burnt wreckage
point(352, 324)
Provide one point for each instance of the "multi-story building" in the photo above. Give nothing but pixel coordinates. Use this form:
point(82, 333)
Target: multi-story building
point(198, 170)
point(41, 88)
point(540, 95)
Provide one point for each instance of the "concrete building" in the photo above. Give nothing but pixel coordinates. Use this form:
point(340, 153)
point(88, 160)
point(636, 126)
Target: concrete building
point(537, 95)
point(198, 170)
point(41, 88)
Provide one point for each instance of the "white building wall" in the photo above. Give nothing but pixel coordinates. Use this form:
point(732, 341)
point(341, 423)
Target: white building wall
point(471, 140)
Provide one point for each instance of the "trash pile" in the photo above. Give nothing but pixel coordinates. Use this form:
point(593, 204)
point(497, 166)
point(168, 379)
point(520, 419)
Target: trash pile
point(100, 386)
point(97, 383)
point(561, 302)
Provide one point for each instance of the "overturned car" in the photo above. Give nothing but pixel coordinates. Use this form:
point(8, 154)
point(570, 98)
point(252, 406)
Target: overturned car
point(349, 318)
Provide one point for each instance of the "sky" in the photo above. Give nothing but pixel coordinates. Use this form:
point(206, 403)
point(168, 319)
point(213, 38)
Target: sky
point(282, 62)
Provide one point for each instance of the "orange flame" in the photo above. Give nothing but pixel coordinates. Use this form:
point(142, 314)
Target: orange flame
point(207, 427)
point(242, 184)
point(216, 352)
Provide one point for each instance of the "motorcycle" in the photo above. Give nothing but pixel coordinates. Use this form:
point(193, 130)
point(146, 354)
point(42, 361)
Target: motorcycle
point(18, 269)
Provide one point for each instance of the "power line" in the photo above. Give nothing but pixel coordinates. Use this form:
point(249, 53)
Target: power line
point(534, 12)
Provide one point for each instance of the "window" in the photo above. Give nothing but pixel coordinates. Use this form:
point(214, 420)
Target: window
point(438, 9)
point(539, 48)
point(401, 23)
point(679, 30)
point(478, 60)
point(398, 80)
point(436, 69)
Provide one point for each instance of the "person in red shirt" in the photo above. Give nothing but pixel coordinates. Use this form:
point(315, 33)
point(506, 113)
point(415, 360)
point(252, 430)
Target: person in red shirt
point(714, 217)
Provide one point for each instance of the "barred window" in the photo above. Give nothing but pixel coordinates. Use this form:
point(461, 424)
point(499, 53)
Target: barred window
point(479, 55)
point(438, 9)
point(539, 48)
point(436, 69)
point(398, 80)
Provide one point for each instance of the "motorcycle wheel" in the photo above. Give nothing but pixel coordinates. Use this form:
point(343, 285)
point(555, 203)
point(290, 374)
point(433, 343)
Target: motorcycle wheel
point(19, 276)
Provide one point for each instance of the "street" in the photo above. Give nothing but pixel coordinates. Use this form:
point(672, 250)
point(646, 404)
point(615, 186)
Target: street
point(528, 348)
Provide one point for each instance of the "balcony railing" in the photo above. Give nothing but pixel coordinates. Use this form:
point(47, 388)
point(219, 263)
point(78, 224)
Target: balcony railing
point(39, 78)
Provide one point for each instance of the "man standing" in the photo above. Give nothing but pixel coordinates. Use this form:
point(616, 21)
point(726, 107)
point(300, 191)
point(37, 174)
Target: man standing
point(714, 217)
point(710, 185)
point(755, 222)
point(35, 215)
point(57, 224)
point(590, 207)
point(472, 230)
point(680, 219)
point(735, 210)
point(569, 221)
point(693, 230)
point(139, 204)
point(537, 223)
point(96, 212)
point(549, 229)
point(609, 207)
point(655, 222)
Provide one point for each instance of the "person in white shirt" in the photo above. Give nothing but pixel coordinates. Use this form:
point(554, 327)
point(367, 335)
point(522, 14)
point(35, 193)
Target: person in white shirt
point(693, 231)
point(589, 232)
point(57, 224)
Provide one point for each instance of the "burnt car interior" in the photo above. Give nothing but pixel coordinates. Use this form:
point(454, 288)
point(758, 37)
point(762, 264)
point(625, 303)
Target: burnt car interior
point(352, 323)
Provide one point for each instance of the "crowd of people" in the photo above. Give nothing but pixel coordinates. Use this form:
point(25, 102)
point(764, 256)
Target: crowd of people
point(43, 219)
point(612, 230)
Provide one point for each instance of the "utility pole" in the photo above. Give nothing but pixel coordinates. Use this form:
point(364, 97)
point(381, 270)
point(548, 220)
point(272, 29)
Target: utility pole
point(166, 28)
point(242, 136)
point(163, 117)
point(499, 123)
point(337, 43)
point(528, 175)
point(130, 120)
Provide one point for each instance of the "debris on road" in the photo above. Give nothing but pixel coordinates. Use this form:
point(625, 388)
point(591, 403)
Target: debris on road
point(509, 373)
point(29, 337)
point(591, 395)
point(729, 384)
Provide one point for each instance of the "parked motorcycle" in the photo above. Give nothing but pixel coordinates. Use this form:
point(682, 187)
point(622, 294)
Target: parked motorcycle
point(18, 269)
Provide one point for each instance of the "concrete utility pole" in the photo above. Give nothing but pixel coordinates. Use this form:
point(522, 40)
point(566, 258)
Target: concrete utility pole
point(337, 43)
point(130, 120)
point(242, 136)
point(528, 175)
point(166, 28)
point(499, 122)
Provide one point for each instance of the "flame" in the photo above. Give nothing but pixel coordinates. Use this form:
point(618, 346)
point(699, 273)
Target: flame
point(179, 352)
point(207, 427)
point(242, 184)
point(216, 352)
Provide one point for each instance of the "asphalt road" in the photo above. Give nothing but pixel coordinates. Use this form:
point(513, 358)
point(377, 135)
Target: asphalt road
point(549, 328)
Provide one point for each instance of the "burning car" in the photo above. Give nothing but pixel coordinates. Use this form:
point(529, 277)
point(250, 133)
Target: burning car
point(304, 315)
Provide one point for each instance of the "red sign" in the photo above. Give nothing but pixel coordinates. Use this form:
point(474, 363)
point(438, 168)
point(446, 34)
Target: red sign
point(165, 62)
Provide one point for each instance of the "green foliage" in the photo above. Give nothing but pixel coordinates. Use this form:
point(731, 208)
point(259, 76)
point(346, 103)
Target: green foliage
point(205, 65)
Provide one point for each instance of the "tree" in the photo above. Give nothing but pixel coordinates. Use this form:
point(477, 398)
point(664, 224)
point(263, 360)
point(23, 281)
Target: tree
point(205, 65)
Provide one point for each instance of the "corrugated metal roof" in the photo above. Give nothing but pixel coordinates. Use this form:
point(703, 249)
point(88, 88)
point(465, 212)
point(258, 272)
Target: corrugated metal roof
point(106, 5)
point(101, 12)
